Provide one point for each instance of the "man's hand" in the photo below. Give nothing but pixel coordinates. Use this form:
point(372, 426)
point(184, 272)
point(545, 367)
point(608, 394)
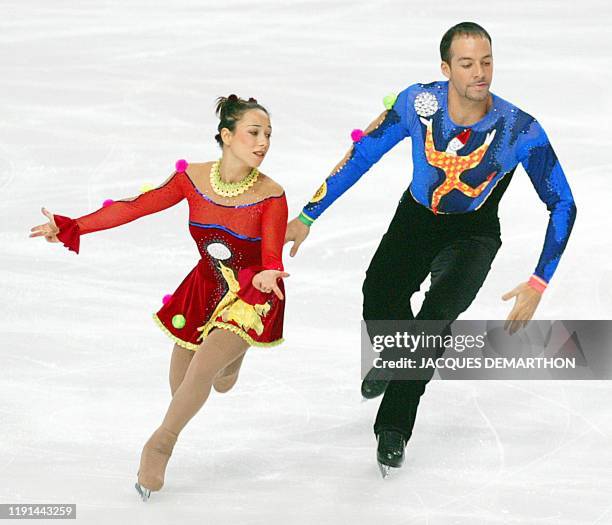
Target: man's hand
point(297, 231)
point(527, 300)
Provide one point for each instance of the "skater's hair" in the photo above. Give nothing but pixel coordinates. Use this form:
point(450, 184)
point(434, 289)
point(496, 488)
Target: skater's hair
point(462, 29)
point(230, 110)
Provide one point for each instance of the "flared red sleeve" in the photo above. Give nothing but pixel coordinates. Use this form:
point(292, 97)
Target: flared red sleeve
point(123, 211)
point(273, 228)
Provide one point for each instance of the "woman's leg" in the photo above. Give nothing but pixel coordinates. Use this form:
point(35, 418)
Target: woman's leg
point(179, 362)
point(220, 348)
point(227, 377)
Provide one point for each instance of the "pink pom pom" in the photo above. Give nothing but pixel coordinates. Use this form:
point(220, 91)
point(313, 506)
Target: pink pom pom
point(107, 202)
point(166, 298)
point(181, 165)
point(357, 134)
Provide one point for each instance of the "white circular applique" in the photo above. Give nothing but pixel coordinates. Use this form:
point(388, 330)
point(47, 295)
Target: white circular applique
point(218, 251)
point(425, 104)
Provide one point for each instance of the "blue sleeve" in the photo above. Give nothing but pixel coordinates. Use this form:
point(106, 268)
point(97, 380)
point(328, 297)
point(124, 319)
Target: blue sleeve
point(541, 164)
point(390, 128)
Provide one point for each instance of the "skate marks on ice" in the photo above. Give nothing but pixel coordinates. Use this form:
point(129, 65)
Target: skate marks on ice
point(480, 454)
point(545, 456)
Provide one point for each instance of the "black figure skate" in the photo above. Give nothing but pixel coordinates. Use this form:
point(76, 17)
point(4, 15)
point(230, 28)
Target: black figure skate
point(375, 383)
point(390, 452)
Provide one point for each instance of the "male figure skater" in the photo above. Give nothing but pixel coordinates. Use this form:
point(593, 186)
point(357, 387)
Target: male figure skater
point(466, 144)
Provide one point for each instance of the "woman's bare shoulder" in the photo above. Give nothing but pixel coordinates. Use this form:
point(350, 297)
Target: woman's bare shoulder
point(198, 167)
point(270, 187)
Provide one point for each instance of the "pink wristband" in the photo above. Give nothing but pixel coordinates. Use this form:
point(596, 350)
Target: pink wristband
point(537, 284)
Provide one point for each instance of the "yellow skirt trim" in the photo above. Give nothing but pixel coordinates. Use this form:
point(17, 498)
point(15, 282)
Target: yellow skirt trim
point(244, 335)
point(180, 342)
point(216, 324)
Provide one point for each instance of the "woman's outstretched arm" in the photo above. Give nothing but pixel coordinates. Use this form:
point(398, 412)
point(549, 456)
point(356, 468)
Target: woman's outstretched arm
point(67, 230)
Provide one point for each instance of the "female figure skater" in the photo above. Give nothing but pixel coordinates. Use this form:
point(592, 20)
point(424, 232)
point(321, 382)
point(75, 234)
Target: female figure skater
point(234, 297)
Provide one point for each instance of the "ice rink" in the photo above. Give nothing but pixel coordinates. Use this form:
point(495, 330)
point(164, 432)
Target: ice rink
point(99, 98)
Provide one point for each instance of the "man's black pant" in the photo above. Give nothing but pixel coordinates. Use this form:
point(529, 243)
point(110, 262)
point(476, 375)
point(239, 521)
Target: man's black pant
point(457, 249)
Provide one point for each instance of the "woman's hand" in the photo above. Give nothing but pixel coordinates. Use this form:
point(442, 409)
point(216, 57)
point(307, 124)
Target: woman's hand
point(49, 230)
point(266, 281)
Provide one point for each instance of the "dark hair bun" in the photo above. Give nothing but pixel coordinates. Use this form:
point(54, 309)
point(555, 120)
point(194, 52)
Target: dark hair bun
point(230, 110)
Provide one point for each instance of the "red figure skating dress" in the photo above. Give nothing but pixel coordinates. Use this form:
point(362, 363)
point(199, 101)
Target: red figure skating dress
point(235, 243)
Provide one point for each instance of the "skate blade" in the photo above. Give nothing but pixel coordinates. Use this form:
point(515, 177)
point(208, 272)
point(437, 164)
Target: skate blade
point(144, 493)
point(385, 470)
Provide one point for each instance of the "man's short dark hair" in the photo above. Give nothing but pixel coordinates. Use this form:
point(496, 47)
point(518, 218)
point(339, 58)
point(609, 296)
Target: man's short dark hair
point(462, 29)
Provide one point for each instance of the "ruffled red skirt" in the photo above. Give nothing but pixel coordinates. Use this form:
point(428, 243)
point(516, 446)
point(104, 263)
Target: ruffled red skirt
point(218, 293)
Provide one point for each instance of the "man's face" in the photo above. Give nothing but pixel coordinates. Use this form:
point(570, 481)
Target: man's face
point(471, 67)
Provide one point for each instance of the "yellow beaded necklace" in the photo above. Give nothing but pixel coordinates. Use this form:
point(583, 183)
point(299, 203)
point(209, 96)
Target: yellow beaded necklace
point(230, 189)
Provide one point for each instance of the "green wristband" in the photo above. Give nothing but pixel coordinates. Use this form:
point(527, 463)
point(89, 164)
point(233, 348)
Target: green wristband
point(305, 219)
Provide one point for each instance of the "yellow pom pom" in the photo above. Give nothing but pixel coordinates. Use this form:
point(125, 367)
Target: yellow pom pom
point(178, 321)
point(146, 187)
point(389, 100)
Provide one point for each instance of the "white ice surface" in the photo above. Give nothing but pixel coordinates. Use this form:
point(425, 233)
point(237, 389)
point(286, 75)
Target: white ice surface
point(98, 98)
